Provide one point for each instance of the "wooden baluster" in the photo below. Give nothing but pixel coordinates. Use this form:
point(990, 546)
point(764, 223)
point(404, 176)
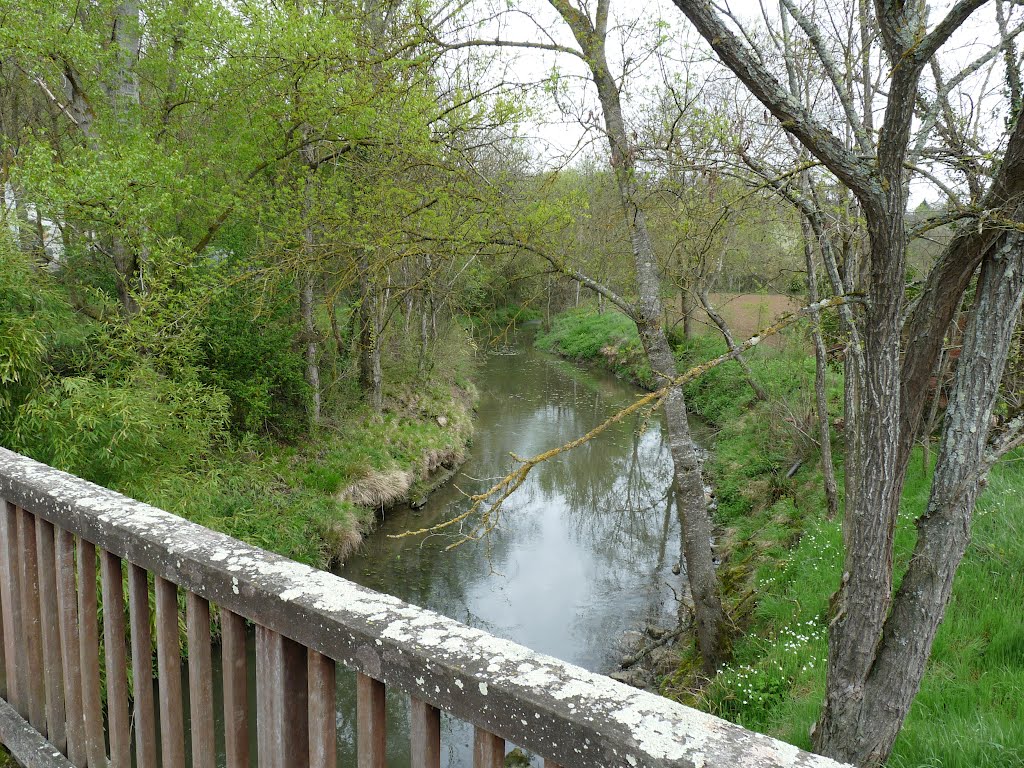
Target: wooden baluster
point(142, 667)
point(53, 663)
point(3, 649)
point(236, 702)
point(371, 732)
point(89, 647)
point(488, 749)
point(10, 583)
point(323, 729)
point(168, 664)
point(70, 647)
point(118, 721)
point(31, 623)
point(200, 682)
point(282, 721)
point(425, 734)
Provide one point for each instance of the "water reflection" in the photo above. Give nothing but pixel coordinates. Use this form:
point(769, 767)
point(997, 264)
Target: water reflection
point(585, 547)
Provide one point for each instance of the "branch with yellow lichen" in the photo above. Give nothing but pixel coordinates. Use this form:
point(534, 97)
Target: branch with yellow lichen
point(505, 487)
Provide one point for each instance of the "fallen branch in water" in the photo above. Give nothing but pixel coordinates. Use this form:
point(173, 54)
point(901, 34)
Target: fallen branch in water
point(506, 486)
point(629, 661)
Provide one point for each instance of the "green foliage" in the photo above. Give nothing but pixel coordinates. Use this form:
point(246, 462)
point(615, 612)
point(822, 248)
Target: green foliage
point(608, 339)
point(249, 353)
point(37, 327)
point(967, 712)
point(785, 560)
point(123, 434)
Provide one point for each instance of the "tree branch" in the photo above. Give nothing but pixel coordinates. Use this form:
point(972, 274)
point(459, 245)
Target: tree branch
point(504, 488)
point(855, 172)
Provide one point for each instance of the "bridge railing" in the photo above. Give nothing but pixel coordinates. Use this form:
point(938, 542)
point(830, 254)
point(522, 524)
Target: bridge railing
point(67, 640)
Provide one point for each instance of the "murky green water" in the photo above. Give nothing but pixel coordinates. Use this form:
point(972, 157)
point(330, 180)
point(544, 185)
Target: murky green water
point(584, 549)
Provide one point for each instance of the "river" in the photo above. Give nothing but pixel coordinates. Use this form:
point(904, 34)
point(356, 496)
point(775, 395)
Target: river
point(584, 550)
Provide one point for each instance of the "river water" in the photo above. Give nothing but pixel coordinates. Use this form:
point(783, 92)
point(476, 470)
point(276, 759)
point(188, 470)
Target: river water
point(584, 550)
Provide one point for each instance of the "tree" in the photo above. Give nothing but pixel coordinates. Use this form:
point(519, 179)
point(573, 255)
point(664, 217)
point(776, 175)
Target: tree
point(879, 642)
point(590, 33)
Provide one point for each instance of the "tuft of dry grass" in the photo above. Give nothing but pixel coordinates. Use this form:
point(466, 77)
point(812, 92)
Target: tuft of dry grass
point(342, 539)
point(379, 488)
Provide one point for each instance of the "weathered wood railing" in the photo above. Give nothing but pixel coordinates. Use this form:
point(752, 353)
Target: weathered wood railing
point(54, 527)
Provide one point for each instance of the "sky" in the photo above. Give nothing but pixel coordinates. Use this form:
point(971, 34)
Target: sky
point(562, 128)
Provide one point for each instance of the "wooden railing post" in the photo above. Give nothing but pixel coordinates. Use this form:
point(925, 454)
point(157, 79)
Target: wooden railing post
point(371, 714)
point(323, 731)
point(282, 719)
point(31, 622)
point(142, 667)
point(488, 749)
point(89, 648)
point(3, 645)
point(168, 662)
point(53, 663)
point(118, 722)
point(236, 702)
point(67, 608)
point(425, 734)
point(200, 682)
point(10, 596)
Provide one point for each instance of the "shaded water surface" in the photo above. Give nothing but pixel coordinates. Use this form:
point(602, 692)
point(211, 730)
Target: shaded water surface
point(584, 548)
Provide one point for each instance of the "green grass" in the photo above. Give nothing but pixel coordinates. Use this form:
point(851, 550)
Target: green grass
point(784, 562)
point(968, 711)
point(608, 339)
point(284, 497)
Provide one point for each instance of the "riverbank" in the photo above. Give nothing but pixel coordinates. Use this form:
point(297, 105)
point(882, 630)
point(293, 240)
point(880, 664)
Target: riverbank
point(315, 500)
point(782, 560)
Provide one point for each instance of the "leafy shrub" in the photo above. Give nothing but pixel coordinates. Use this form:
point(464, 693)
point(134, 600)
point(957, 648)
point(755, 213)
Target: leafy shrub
point(35, 323)
point(253, 358)
point(121, 433)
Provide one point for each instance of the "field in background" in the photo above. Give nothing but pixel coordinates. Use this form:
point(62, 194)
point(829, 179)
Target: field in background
point(745, 313)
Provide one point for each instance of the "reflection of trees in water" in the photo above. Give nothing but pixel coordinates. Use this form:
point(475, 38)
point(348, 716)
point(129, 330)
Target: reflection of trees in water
point(613, 493)
point(611, 490)
point(603, 505)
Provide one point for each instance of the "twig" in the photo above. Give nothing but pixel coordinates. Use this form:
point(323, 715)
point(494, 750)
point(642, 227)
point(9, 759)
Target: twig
point(629, 661)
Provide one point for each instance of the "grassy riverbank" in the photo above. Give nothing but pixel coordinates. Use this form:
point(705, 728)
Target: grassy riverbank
point(199, 404)
point(782, 562)
point(315, 499)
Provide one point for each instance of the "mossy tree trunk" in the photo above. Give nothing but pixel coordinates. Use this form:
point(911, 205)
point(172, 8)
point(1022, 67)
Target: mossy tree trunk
point(879, 643)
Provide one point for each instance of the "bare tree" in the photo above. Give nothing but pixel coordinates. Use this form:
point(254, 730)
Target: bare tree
point(879, 643)
point(589, 25)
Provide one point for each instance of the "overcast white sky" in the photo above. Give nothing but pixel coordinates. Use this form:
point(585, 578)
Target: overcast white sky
point(559, 130)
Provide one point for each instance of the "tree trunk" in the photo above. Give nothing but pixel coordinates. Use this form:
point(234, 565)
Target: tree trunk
point(312, 356)
point(686, 308)
point(339, 342)
point(867, 730)
point(712, 638)
point(877, 656)
point(370, 376)
point(310, 334)
point(828, 469)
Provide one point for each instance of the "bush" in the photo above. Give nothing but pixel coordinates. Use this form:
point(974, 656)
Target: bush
point(252, 356)
point(35, 324)
point(124, 434)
